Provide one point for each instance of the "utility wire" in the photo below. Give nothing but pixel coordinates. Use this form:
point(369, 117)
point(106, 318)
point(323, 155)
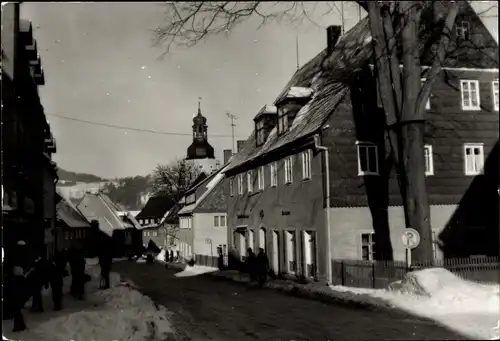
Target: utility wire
point(131, 128)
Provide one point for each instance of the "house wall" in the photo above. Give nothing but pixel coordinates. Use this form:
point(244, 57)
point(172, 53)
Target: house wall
point(348, 223)
point(297, 206)
point(185, 241)
point(203, 229)
point(447, 128)
point(159, 239)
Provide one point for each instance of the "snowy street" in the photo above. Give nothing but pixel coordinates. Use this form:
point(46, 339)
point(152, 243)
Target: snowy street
point(210, 308)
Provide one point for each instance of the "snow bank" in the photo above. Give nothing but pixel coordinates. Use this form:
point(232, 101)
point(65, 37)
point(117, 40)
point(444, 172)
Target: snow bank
point(190, 271)
point(469, 308)
point(161, 256)
point(119, 313)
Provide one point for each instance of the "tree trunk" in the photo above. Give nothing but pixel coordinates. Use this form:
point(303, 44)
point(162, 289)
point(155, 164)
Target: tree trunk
point(412, 135)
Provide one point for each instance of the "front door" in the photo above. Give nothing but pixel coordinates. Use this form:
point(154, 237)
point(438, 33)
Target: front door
point(276, 252)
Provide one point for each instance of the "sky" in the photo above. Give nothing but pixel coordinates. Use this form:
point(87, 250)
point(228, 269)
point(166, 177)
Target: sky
point(100, 66)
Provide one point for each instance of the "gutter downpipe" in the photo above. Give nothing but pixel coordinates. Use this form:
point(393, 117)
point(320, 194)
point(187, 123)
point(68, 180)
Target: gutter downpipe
point(324, 149)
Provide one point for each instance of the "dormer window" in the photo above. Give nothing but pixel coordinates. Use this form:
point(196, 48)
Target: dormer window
point(265, 121)
point(289, 105)
point(282, 122)
point(259, 132)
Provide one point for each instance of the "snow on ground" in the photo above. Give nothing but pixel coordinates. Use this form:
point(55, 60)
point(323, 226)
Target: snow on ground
point(195, 270)
point(119, 313)
point(469, 308)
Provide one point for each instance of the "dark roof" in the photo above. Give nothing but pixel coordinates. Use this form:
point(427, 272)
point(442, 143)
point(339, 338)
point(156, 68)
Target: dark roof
point(156, 207)
point(329, 76)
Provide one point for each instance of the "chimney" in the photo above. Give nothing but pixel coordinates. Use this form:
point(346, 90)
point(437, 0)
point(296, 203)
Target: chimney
point(332, 36)
point(239, 145)
point(227, 155)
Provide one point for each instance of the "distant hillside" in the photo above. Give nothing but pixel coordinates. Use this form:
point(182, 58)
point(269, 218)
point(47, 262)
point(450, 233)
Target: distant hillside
point(78, 177)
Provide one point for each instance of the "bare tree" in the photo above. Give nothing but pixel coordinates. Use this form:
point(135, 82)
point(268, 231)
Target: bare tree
point(400, 37)
point(174, 179)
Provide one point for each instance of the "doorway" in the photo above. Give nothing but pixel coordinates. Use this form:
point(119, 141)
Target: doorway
point(276, 252)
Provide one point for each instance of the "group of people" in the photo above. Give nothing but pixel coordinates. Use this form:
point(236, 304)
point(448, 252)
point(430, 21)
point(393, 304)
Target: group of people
point(24, 278)
point(257, 266)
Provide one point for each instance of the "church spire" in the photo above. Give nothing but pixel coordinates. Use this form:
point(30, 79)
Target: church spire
point(199, 106)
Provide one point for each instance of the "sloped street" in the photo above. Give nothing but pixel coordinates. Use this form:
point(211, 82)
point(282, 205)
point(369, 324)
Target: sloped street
point(210, 308)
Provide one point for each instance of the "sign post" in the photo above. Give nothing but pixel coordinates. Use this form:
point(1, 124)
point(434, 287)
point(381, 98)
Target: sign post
point(410, 239)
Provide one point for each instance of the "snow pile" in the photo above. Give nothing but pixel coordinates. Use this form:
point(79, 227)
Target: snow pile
point(299, 92)
point(118, 313)
point(161, 256)
point(190, 271)
point(469, 308)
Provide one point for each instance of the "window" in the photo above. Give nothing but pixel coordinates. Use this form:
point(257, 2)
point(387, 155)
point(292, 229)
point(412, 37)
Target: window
point(250, 181)
point(367, 243)
point(434, 245)
point(463, 30)
point(470, 95)
point(146, 221)
point(259, 132)
point(222, 221)
point(288, 170)
point(428, 103)
point(231, 187)
point(473, 158)
point(306, 164)
point(282, 122)
point(429, 162)
point(240, 184)
point(260, 178)
point(216, 221)
point(367, 159)
point(155, 234)
point(495, 95)
point(274, 174)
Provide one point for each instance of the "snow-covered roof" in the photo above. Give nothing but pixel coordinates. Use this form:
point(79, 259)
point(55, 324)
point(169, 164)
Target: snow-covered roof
point(208, 185)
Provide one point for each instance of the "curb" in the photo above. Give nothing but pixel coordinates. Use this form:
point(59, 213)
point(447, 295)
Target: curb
point(315, 292)
point(308, 291)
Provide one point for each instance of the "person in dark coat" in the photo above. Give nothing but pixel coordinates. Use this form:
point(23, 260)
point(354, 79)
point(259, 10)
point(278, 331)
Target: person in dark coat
point(262, 266)
point(220, 258)
point(15, 287)
point(77, 265)
point(37, 279)
point(171, 255)
point(105, 261)
point(251, 264)
point(58, 267)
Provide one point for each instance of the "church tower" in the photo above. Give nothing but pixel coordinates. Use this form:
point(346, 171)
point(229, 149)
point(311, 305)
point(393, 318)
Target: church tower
point(200, 152)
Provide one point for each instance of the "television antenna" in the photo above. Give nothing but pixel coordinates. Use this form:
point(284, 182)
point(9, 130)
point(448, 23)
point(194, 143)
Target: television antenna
point(233, 118)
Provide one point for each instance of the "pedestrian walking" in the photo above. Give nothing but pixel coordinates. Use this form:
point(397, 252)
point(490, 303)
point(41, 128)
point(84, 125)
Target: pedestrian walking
point(220, 258)
point(37, 279)
point(171, 255)
point(250, 264)
point(15, 286)
point(105, 261)
point(262, 266)
point(58, 267)
point(77, 265)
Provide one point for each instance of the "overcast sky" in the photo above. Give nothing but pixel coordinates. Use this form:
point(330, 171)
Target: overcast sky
point(100, 66)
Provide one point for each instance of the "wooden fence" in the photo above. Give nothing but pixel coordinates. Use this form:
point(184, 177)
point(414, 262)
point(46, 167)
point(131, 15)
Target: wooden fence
point(379, 274)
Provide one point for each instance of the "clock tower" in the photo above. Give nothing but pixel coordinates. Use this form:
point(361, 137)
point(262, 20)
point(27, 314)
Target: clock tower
point(200, 152)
